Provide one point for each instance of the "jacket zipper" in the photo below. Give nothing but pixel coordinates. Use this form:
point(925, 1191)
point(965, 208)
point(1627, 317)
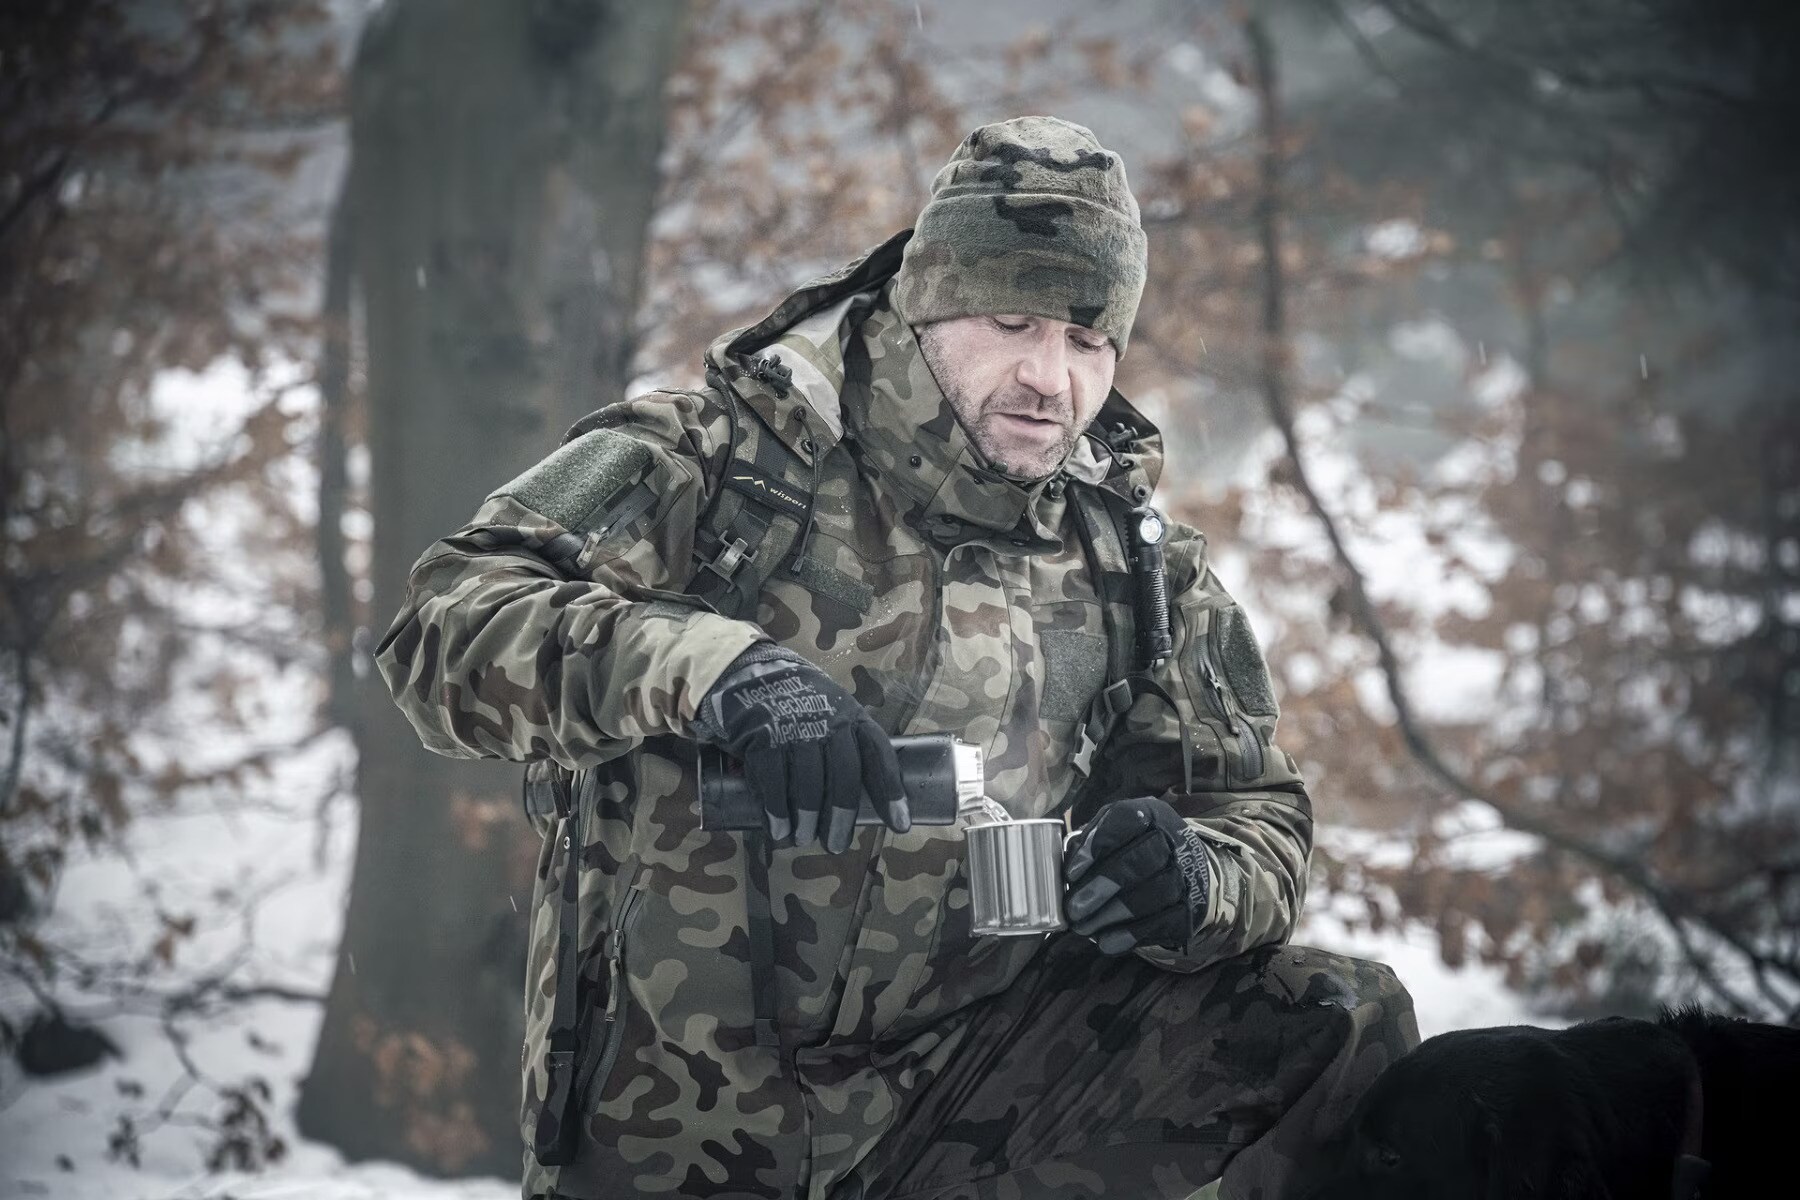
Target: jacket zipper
point(933, 655)
point(1249, 745)
point(934, 652)
point(599, 1053)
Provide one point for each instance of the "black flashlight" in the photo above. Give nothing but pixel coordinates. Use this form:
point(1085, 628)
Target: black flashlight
point(1148, 533)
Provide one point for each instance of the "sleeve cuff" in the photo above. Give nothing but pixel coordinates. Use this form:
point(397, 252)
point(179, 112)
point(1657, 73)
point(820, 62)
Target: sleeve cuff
point(690, 657)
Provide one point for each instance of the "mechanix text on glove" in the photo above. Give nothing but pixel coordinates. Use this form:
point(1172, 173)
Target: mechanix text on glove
point(810, 751)
point(799, 711)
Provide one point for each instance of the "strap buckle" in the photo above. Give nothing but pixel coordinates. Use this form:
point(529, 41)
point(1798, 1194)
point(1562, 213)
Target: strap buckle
point(732, 555)
point(1083, 758)
point(1113, 702)
point(1116, 700)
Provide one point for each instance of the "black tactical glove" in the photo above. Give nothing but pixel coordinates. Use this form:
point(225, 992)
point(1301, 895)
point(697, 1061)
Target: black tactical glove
point(806, 745)
point(1136, 876)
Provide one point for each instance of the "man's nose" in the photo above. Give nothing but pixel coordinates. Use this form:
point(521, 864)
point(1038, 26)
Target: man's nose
point(1044, 367)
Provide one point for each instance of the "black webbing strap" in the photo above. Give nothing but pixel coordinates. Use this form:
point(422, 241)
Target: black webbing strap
point(754, 518)
point(717, 564)
point(1688, 1180)
point(550, 1141)
point(1140, 680)
point(1100, 524)
point(724, 550)
point(764, 999)
point(1104, 548)
point(757, 523)
point(1143, 685)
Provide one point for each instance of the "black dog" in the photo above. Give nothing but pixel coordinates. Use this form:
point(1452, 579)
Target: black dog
point(1690, 1105)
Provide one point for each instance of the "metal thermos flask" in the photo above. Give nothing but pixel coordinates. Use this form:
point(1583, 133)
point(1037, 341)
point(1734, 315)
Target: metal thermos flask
point(940, 774)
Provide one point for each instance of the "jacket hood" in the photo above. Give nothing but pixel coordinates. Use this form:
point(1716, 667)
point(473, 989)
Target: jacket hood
point(791, 368)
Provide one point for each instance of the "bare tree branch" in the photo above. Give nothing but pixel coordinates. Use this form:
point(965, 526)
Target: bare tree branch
point(15, 757)
point(1425, 21)
point(1670, 903)
point(36, 187)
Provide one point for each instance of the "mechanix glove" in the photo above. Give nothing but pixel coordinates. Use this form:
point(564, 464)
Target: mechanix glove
point(810, 751)
point(1136, 876)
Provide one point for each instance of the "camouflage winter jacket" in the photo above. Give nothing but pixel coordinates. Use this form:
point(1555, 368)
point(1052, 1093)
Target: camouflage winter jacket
point(556, 626)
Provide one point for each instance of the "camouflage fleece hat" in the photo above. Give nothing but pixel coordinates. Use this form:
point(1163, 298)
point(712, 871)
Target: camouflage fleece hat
point(1030, 216)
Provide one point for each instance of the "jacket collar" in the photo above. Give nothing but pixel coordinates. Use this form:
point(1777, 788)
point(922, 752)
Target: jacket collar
point(908, 432)
point(835, 359)
point(805, 334)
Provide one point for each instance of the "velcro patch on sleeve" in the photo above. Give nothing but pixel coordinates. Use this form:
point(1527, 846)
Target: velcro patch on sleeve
point(1243, 662)
point(575, 484)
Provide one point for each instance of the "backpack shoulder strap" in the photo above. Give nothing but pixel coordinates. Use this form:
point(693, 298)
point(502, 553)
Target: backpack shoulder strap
point(1101, 522)
point(1108, 555)
point(759, 515)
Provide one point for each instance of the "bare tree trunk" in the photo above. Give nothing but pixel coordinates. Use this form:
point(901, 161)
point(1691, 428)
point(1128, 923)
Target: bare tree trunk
point(505, 168)
point(336, 601)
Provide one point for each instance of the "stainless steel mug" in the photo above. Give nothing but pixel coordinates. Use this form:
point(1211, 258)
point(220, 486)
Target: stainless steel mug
point(1015, 876)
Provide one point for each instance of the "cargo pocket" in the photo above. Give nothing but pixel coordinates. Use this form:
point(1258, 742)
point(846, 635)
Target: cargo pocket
point(617, 527)
point(549, 794)
point(1241, 660)
point(563, 976)
point(603, 1017)
point(1201, 660)
point(540, 969)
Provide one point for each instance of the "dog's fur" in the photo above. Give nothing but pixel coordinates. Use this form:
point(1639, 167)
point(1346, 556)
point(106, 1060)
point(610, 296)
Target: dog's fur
point(1597, 1110)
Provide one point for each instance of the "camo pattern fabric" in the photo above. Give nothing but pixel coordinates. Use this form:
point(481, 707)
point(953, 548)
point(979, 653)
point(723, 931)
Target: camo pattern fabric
point(973, 611)
point(1110, 1077)
point(1030, 216)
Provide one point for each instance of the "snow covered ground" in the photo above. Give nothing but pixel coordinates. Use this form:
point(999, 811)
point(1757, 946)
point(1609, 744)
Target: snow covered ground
point(255, 869)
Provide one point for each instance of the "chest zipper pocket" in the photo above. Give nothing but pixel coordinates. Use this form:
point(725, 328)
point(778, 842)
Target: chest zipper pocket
point(1250, 750)
point(601, 1047)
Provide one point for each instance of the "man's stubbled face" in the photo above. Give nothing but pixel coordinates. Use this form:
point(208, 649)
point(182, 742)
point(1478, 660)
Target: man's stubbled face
point(1023, 387)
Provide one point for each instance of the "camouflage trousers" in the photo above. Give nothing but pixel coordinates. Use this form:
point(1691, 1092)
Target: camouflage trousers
point(1095, 1076)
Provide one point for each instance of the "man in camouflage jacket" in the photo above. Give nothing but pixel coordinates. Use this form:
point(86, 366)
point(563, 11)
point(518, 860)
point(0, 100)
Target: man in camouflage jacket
point(940, 583)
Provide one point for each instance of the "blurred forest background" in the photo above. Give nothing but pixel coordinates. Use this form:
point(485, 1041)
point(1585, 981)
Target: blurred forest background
point(1473, 327)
